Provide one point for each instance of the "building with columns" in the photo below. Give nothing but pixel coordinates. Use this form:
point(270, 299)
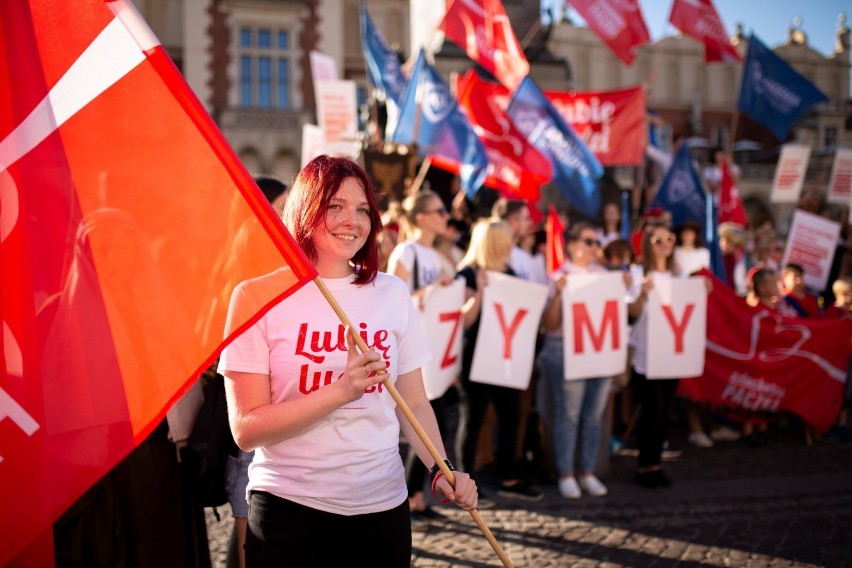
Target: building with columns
point(248, 62)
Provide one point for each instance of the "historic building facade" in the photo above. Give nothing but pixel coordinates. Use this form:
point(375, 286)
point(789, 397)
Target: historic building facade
point(248, 62)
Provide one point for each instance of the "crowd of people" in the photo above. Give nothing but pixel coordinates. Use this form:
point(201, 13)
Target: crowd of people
point(319, 448)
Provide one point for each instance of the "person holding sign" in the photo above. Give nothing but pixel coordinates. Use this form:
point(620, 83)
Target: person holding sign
point(490, 247)
point(326, 434)
point(578, 405)
point(654, 396)
point(418, 263)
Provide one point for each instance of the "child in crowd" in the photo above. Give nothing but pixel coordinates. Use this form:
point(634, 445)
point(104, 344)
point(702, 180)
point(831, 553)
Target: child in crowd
point(842, 309)
point(796, 298)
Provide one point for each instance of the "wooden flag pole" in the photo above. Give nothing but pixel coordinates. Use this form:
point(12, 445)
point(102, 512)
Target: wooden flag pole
point(439, 459)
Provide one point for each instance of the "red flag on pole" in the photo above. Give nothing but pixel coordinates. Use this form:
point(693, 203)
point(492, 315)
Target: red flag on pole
point(126, 221)
point(515, 167)
point(699, 20)
point(554, 255)
point(483, 30)
point(619, 23)
point(730, 205)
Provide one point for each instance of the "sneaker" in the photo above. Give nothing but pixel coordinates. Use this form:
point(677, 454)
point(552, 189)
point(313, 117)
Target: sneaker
point(520, 490)
point(725, 434)
point(670, 453)
point(700, 439)
point(593, 486)
point(568, 488)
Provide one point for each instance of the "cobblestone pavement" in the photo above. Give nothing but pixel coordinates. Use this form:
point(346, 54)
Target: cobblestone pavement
point(784, 505)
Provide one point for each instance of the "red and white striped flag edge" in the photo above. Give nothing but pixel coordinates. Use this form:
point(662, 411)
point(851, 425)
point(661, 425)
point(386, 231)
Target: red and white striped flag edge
point(126, 221)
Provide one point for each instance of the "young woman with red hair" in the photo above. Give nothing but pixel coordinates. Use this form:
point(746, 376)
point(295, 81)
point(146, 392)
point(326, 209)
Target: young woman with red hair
point(327, 479)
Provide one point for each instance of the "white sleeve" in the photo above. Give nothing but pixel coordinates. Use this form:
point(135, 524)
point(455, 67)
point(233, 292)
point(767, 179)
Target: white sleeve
point(402, 254)
point(249, 351)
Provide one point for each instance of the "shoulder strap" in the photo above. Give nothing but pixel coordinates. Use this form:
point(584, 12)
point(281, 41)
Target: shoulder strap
point(415, 277)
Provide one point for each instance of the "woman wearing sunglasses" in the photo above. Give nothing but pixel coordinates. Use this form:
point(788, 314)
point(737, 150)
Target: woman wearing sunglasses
point(578, 405)
point(653, 395)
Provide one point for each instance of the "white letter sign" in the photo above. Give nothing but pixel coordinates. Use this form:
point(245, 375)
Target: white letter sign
point(442, 321)
point(677, 328)
point(594, 325)
point(811, 244)
point(508, 327)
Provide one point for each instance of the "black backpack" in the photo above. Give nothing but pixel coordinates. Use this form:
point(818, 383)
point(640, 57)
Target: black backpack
point(210, 444)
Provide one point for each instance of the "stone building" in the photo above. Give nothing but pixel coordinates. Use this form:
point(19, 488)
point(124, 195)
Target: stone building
point(248, 62)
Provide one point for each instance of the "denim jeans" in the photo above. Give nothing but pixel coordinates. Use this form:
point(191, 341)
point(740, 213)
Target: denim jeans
point(578, 408)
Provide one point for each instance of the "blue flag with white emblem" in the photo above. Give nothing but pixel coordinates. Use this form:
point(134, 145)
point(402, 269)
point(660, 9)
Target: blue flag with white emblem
point(772, 92)
point(430, 113)
point(382, 63)
point(681, 192)
point(575, 168)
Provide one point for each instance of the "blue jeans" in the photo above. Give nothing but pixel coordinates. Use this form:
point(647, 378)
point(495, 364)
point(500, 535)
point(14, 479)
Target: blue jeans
point(578, 408)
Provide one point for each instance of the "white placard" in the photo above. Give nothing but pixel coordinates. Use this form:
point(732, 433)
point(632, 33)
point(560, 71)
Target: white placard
point(314, 144)
point(677, 328)
point(840, 186)
point(442, 321)
point(594, 325)
point(508, 327)
point(811, 244)
point(323, 67)
point(337, 110)
point(790, 173)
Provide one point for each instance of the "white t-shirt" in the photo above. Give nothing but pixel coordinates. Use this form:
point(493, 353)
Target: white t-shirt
point(429, 264)
point(521, 262)
point(348, 462)
point(691, 260)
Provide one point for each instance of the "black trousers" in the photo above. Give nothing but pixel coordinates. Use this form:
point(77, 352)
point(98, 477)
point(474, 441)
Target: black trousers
point(283, 533)
point(655, 397)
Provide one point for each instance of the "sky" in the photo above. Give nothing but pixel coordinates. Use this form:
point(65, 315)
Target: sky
point(768, 19)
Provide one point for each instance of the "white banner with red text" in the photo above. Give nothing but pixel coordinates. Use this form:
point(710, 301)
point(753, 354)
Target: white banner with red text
point(442, 321)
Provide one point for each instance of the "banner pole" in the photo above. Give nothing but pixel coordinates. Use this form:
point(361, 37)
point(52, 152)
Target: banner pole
point(406, 411)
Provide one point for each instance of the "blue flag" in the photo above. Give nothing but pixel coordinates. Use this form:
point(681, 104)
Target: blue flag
point(575, 168)
point(772, 92)
point(625, 215)
point(439, 126)
point(681, 192)
point(717, 264)
point(382, 63)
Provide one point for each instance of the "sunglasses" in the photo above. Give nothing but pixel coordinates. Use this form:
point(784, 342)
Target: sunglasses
point(442, 211)
point(591, 242)
point(667, 239)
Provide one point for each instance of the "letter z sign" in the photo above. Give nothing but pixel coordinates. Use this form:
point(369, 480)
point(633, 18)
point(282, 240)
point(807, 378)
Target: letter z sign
point(441, 318)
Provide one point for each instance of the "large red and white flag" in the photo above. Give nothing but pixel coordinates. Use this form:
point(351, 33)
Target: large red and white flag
point(730, 205)
point(760, 361)
point(515, 167)
point(619, 23)
point(483, 30)
point(699, 20)
point(125, 222)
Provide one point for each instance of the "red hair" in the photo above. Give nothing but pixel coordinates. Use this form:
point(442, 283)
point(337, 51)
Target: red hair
point(308, 201)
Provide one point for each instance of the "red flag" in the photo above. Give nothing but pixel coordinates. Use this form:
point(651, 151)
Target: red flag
point(127, 220)
point(730, 205)
point(515, 167)
point(758, 360)
point(699, 20)
point(554, 255)
point(483, 30)
point(619, 23)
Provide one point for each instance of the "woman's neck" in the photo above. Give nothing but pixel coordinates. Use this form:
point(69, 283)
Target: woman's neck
point(334, 269)
point(660, 265)
point(425, 238)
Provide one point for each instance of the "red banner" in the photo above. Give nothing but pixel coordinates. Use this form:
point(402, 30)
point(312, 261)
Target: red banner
point(515, 168)
point(759, 361)
point(699, 20)
point(611, 123)
point(126, 221)
point(619, 23)
point(483, 30)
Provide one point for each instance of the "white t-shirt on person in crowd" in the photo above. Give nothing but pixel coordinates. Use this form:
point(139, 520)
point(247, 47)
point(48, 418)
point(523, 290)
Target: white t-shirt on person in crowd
point(429, 264)
point(348, 462)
